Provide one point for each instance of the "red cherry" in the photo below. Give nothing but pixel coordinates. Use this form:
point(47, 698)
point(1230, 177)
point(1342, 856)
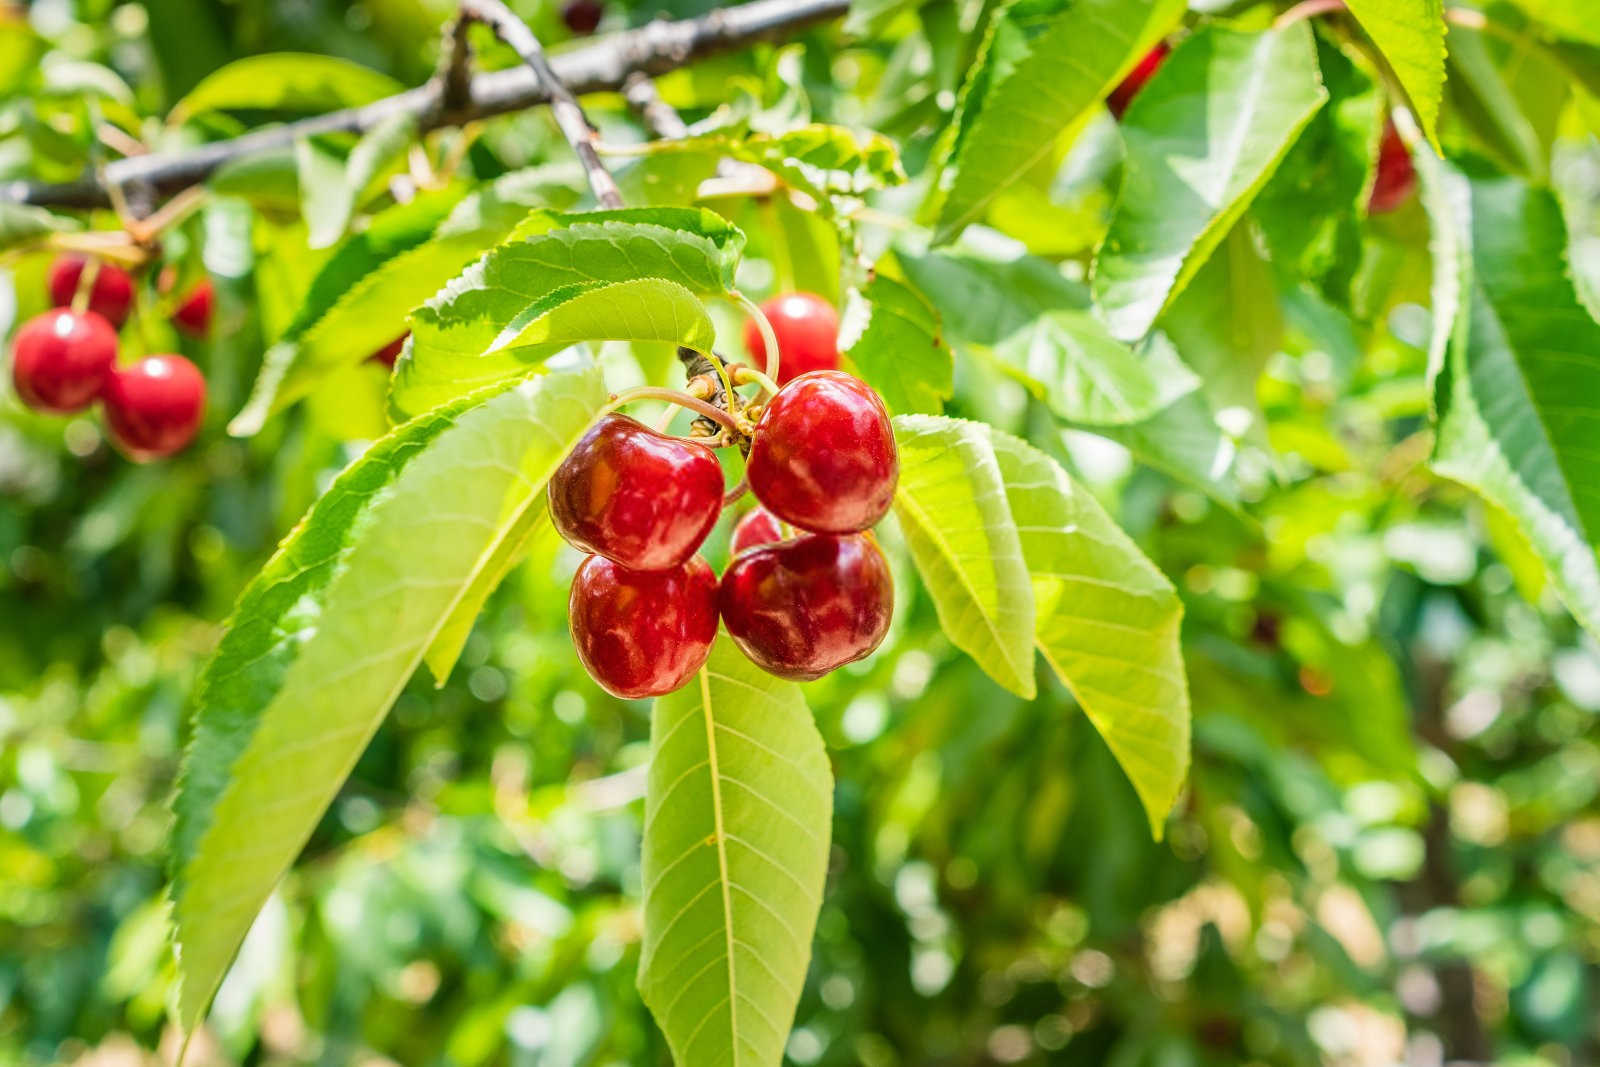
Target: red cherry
point(823, 457)
point(807, 329)
point(390, 352)
point(109, 297)
point(635, 496)
point(61, 359)
point(1396, 176)
point(801, 608)
point(153, 407)
point(642, 633)
point(1129, 87)
point(758, 527)
point(193, 316)
point(582, 16)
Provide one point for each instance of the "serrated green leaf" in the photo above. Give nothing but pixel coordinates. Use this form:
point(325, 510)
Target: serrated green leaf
point(21, 224)
point(1410, 34)
point(532, 535)
point(642, 310)
point(360, 298)
point(738, 815)
point(1087, 376)
point(892, 337)
point(1107, 622)
point(554, 256)
point(286, 81)
point(1043, 65)
point(297, 685)
point(1202, 138)
point(1517, 386)
point(951, 503)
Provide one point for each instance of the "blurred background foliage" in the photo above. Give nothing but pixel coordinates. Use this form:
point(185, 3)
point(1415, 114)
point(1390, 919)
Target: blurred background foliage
point(1389, 850)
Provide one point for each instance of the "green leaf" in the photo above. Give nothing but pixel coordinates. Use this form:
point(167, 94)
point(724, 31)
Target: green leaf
point(1573, 19)
point(1042, 67)
point(642, 310)
point(738, 813)
point(892, 337)
point(869, 18)
point(1517, 379)
point(1184, 441)
point(325, 199)
point(325, 637)
point(1410, 34)
point(532, 534)
point(1202, 138)
point(985, 299)
point(330, 211)
point(1089, 377)
point(286, 81)
point(819, 160)
point(21, 224)
point(557, 256)
point(951, 503)
point(360, 299)
point(1107, 622)
point(1488, 106)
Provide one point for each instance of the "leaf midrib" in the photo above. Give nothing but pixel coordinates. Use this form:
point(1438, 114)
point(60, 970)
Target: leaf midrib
point(722, 857)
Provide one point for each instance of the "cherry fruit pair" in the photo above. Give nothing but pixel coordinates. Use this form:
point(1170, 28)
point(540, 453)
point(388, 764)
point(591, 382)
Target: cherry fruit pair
point(111, 295)
point(644, 607)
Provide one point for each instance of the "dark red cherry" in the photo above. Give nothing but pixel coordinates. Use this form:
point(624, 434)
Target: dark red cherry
point(582, 16)
point(642, 633)
point(757, 527)
point(807, 329)
point(1396, 176)
point(390, 352)
point(823, 456)
point(638, 497)
point(153, 407)
point(193, 316)
point(801, 608)
point(1129, 87)
point(61, 359)
point(110, 295)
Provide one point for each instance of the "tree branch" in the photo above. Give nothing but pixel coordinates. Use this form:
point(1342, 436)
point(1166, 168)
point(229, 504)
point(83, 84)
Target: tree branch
point(603, 65)
point(574, 124)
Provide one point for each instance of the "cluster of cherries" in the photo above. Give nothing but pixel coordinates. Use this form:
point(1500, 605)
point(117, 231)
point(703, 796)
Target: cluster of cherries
point(1396, 177)
point(66, 359)
point(807, 589)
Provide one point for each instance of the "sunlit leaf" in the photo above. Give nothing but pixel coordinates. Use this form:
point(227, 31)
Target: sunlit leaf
point(287, 81)
point(1410, 34)
point(892, 337)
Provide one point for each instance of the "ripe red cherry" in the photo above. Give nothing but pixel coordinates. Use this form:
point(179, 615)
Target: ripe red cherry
point(390, 352)
point(823, 456)
point(153, 407)
point(757, 527)
point(807, 329)
point(635, 496)
point(582, 16)
point(109, 297)
point(61, 359)
point(193, 316)
point(1396, 176)
point(1129, 87)
point(801, 608)
point(642, 633)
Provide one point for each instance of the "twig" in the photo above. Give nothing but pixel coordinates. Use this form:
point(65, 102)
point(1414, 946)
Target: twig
point(660, 117)
point(1307, 9)
point(597, 67)
point(564, 107)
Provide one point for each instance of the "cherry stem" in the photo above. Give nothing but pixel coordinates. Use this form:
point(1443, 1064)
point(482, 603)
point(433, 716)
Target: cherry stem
point(769, 340)
point(736, 492)
point(683, 400)
point(86, 279)
point(1307, 9)
point(745, 376)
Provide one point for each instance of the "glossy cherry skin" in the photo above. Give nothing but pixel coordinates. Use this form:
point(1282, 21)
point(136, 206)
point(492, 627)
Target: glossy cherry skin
point(110, 296)
point(823, 457)
point(582, 17)
point(390, 352)
point(756, 527)
point(193, 316)
point(801, 608)
point(153, 407)
point(807, 329)
point(60, 360)
point(1396, 177)
point(642, 633)
point(635, 496)
point(1129, 87)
